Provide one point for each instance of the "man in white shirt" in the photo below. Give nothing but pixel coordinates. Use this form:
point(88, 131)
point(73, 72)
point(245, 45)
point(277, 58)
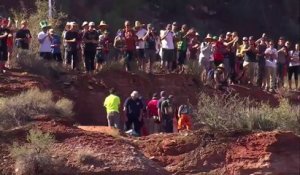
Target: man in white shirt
point(140, 47)
point(45, 41)
point(271, 60)
point(205, 57)
point(167, 44)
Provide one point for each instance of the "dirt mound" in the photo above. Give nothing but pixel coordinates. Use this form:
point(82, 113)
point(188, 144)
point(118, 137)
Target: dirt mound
point(181, 153)
point(201, 152)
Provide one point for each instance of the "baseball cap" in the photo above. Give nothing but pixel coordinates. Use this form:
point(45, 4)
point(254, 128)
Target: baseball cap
point(162, 93)
point(92, 24)
point(84, 23)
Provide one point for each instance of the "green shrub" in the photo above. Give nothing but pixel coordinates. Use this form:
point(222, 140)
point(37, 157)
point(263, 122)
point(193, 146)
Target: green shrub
point(234, 113)
point(18, 110)
point(34, 157)
point(38, 143)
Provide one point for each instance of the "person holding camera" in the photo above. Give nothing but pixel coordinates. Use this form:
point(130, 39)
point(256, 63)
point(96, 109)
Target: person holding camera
point(150, 46)
point(44, 39)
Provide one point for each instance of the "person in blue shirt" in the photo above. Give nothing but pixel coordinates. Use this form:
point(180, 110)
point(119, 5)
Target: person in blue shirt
point(55, 46)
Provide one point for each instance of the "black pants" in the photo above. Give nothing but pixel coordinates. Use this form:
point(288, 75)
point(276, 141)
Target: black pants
point(280, 74)
point(89, 59)
point(128, 59)
point(232, 73)
point(72, 56)
point(261, 71)
point(167, 122)
point(181, 57)
point(136, 124)
point(293, 70)
point(57, 57)
point(46, 55)
point(3, 54)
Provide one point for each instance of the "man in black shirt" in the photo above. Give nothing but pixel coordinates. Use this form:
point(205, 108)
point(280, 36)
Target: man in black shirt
point(71, 39)
point(133, 108)
point(4, 32)
point(90, 40)
point(23, 36)
point(150, 46)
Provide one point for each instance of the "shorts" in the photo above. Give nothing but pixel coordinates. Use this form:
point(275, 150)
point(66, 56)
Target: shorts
point(140, 53)
point(150, 54)
point(101, 57)
point(3, 54)
point(10, 49)
point(167, 55)
point(181, 57)
point(113, 119)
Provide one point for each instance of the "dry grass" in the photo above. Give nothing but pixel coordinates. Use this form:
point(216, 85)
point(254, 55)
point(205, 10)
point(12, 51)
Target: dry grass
point(85, 155)
point(234, 113)
point(18, 110)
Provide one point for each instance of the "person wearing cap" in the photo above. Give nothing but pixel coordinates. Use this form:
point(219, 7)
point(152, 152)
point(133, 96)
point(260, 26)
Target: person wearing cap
point(23, 36)
point(112, 106)
point(102, 50)
point(90, 40)
point(181, 38)
point(44, 39)
point(168, 46)
point(133, 108)
point(271, 57)
point(63, 35)
point(261, 47)
point(140, 46)
point(129, 37)
point(4, 33)
point(281, 61)
point(219, 77)
point(229, 55)
point(102, 27)
point(168, 112)
point(184, 118)
point(55, 46)
point(205, 56)
point(152, 120)
point(71, 39)
point(150, 45)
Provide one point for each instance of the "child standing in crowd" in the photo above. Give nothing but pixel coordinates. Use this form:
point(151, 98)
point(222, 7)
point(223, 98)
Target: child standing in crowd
point(55, 46)
point(102, 50)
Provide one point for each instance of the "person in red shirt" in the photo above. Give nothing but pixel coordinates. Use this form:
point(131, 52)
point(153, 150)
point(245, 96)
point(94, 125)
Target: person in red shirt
point(130, 39)
point(152, 121)
point(218, 51)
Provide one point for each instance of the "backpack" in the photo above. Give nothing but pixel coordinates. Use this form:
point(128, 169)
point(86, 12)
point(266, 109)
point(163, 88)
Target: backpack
point(166, 107)
point(184, 109)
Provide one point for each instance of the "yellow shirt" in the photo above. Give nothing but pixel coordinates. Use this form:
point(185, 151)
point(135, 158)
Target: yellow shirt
point(112, 103)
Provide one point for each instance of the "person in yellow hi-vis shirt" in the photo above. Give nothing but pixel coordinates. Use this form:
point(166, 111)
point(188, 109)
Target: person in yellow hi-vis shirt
point(112, 105)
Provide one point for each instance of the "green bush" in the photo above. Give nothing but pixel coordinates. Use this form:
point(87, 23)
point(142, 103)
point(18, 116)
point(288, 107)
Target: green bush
point(18, 110)
point(234, 113)
point(38, 143)
point(34, 157)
